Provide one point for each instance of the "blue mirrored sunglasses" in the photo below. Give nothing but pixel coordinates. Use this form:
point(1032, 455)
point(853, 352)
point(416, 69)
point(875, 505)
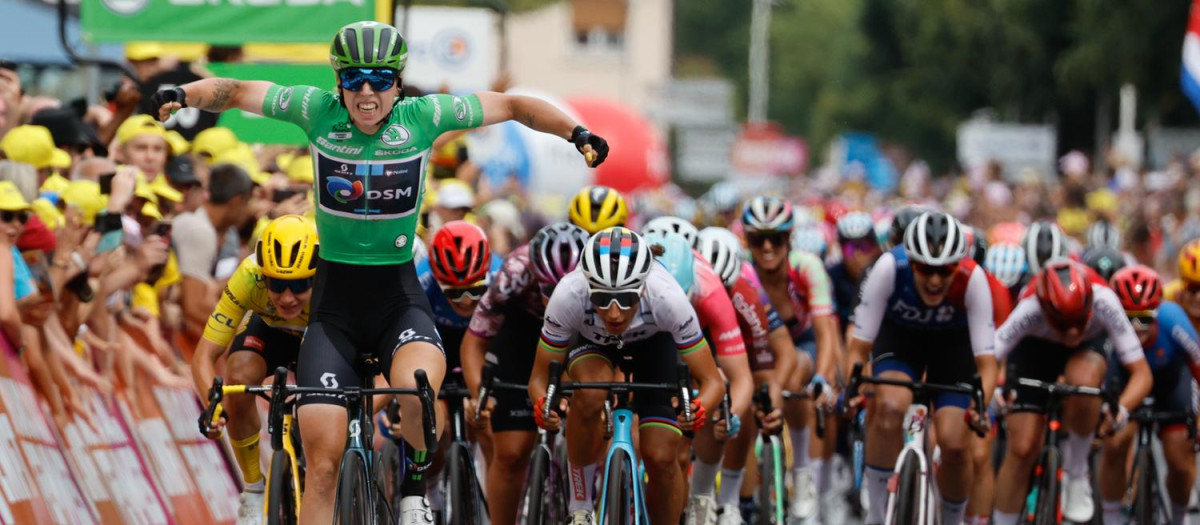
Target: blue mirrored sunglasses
point(380, 78)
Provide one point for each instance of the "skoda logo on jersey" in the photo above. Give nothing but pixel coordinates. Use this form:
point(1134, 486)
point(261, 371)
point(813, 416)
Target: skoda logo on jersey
point(395, 135)
point(460, 109)
point(285, 98)
point(343, 190)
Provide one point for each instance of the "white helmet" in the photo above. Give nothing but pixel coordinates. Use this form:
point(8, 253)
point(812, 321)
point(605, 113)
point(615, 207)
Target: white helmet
point(1006, 262)
point(723, 250)
point(767, 213)
point(616, 259)
point(936, 239)
point(1103, 234)
point(667, 224)
point(1044, 241)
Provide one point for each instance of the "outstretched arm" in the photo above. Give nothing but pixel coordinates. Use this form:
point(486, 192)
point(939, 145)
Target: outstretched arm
point(213, 95)
point(540, 115)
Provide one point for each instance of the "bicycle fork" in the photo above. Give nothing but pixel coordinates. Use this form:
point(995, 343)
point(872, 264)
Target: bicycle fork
point(622, 423)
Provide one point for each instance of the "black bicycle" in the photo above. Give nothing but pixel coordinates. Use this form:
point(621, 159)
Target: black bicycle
point(772, 491)
point(285, 475)
point(1149, 503)
point(465, 503)
point(545, 499)
point(1043, 505)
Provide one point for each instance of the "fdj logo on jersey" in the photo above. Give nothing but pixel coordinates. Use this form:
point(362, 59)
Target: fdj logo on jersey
point(378, 189)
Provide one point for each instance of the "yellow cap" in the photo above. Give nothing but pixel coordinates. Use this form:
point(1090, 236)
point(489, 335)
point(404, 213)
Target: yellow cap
point(214, 141)
point(85, 196)
point(243, 157)
point(34, 145)
point(163, 189)
point(48, 213)
point(138, 51)
point(151, 210)
point(300, 169)
point(1102, 200)
point(10, 197)
point(179, 145)
point(139, 125)
point(54, 184)
point(142, 189)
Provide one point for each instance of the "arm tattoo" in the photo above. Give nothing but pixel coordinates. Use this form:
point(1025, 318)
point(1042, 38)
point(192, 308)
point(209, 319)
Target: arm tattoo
point(221, 94)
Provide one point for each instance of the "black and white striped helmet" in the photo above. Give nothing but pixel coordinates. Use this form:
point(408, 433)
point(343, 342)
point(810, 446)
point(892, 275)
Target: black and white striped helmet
point(936, 239)
point(668, 224)
point(1103, 234)
point(616, 259)
point(1044, 241)
point(723, 250)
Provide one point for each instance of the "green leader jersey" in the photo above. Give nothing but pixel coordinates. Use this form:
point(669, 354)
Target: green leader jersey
point(368, 188)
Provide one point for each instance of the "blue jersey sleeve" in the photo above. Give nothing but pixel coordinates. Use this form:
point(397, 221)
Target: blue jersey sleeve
point(497, 263)
point(1181, 335)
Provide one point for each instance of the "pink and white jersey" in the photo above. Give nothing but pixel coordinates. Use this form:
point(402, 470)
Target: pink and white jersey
point(715, 310)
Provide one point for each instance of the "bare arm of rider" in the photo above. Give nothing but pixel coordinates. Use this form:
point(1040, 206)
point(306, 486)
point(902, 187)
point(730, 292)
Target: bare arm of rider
point(472, 352)
point(532, 112)
point(219, 94)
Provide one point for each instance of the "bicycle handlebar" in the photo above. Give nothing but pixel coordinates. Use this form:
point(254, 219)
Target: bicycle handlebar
point(490, 384)
point(922, 389)
point(682, 388)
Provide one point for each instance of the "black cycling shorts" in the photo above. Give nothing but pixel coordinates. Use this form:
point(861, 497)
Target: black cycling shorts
point(941, 357)
point(653, 360)
point(1043, 360)
point(278, 347)
point(451, 345)
point(513, 351)
point(360, 311)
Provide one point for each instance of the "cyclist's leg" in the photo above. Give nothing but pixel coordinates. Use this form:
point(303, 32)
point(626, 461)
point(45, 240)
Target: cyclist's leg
point(798, 413)
point(1034, 359)
point(1081, 414)
point(954, 363)
point(737, 451)
point(246, 365)
point(585, 443)
point(322, 418)
point(891, 358)
point(979, 503)
point(656, 361)
point(1176, 396)
point(413, 344)
point(512, 426)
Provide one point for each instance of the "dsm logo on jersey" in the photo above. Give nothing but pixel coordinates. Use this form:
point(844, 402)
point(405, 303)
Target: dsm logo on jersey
point(368, 189)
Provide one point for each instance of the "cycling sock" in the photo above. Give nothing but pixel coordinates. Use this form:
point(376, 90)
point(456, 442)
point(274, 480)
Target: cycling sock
point(876, 480)
point(582, 487)
point(246, 453)
point(953, 511)
point(978, 520)
point(799, 440)
point(1075, 455)
point(704, 478)
point(417, 463)
point(731, 485)
point(820, 469)
point(1112, 514)
point(1179, 513)
point(1004, 518)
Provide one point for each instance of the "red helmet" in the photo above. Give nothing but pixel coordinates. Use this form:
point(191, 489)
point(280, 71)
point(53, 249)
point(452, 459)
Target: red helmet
point(1065, 293)
point(459, 255)
point(1139, 287)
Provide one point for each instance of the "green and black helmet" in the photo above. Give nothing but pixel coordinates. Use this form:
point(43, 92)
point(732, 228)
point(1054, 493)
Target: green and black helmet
point(368, 44)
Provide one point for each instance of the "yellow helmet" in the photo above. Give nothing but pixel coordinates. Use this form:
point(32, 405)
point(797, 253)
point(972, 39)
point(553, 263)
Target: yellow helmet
point(1189, 262)
point(287, 248)
point(596, 208)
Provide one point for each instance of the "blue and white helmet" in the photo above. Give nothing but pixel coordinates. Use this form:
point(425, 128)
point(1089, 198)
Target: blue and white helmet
point(616, 259)
point(1006, 262)
point(723, 250)
point(767, 213)
point(854, 226)
point(677, 257)
point(667, 224)
point(810, 239)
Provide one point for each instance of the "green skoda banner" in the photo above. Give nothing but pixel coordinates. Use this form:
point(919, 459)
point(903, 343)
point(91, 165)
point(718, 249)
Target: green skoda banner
point(255, 129)
point(223, 22)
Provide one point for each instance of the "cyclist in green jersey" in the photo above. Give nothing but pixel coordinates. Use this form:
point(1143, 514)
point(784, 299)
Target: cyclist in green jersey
point(370, 146)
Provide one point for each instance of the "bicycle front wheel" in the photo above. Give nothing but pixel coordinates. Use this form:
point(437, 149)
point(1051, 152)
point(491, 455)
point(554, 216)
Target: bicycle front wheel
point(462, 506)
point(618, 503)
point(353, 500)
point(908, 500)
point(1144, 484)
point(281, 491)
point(535, 492)
point(1047, 511)
point(770, 485)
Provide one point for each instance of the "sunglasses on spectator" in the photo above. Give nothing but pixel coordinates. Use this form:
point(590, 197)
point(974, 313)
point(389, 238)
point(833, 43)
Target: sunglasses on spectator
point(757, 239)
point(381, 79)
point(625, 299)
point(297, 286)
point(852, 248)
point(931, 270)
point(8, 216)
point(1142, 319)
point(459, 294)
